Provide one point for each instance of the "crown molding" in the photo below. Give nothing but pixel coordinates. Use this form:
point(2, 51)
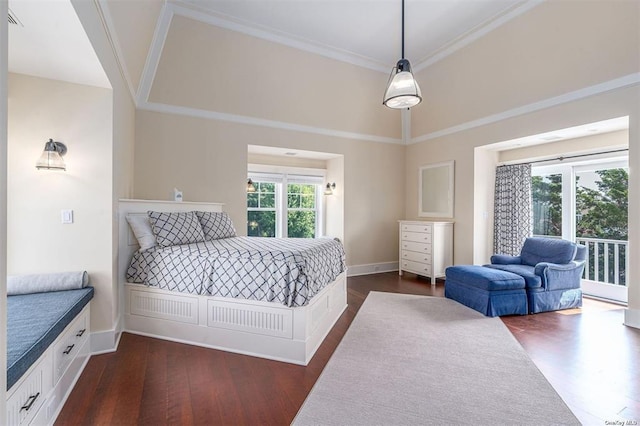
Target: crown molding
point(154, 54)
point(253, 121)
point(475, 33)
point(114, 42)
point(618, 83)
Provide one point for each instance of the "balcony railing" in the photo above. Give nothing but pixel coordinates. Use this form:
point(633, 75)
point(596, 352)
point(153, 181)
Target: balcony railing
point(607, 260)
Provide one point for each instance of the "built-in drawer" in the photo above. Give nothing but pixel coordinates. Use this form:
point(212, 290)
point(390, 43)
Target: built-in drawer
point(416, 267)
point(29, 394)
point(416, 228)
point(415, 256)
point(418, 237)
point(70, 343)
point(419, 247)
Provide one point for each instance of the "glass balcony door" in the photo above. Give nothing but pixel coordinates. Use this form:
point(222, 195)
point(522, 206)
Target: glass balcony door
point(587, 203)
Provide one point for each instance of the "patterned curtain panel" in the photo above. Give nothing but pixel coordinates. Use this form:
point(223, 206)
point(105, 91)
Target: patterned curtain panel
point(513, 219)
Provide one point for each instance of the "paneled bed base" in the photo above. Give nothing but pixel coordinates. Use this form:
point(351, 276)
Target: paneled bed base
point(248, 327)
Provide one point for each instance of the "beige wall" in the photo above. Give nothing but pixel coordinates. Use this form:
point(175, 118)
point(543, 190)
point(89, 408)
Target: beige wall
point(461, 148)
point(335, 202)
point(286, 161)
point(121, 121)
point(214, 69)
point(543, 53)
point(484, 176)
point(80, 117)
point(576, 146)
point(207, 160)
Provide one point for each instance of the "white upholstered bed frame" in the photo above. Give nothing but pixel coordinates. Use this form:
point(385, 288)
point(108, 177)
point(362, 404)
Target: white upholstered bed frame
point(262, 329)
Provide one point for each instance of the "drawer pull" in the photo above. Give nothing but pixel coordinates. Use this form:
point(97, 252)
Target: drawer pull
point(68, 350)
point(30, 402)
point(81, 332)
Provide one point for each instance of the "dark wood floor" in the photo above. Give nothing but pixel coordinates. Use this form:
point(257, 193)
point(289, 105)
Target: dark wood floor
point(590, 358)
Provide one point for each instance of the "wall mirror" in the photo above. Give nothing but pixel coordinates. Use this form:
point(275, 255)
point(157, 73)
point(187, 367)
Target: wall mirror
point(436, 190)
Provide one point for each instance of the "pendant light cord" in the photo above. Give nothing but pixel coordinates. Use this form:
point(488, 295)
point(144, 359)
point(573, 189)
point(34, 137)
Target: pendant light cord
point(402, 29)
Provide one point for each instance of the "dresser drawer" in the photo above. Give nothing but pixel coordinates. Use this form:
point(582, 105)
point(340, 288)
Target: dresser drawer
point(416, 228)
point(69, 344)
point(29, 396)
point(418, 237)
point(417, 268)
point(419, 247)
point(415, 256)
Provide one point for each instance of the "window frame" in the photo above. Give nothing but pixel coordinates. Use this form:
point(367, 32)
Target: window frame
point(282, 176)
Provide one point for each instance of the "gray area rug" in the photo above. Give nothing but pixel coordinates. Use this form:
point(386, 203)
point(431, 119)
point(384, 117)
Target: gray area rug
point(418, 360)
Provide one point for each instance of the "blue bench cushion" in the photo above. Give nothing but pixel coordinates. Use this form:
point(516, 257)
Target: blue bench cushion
point(525, 271)
point(34, 321)
point(485, 278)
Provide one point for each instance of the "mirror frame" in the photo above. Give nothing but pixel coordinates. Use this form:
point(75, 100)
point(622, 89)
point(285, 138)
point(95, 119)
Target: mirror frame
point(445, 171)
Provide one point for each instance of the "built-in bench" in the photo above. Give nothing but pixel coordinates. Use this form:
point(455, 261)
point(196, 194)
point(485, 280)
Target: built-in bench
point(47, 348)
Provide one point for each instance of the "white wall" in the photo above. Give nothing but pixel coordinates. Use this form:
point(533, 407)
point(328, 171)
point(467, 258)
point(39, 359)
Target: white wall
point(80, 117)
point(3, 203)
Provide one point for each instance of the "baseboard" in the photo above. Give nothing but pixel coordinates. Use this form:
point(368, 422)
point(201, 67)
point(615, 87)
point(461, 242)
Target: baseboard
point(632, 317)
point(372, 268)
point(107, 341)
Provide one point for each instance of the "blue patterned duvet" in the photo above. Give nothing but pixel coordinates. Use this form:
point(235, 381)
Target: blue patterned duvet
point(288, 271)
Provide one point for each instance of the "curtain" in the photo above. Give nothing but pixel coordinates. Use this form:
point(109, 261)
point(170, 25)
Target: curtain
point(513, 220)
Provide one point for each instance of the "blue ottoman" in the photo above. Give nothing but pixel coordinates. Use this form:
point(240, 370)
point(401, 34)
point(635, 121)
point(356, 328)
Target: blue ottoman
point(490, 291)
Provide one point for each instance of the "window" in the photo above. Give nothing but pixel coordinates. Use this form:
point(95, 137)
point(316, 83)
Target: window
point(261, 210)
point(546, 193)
point(588, 203)
point(301, 210)
point(285, 205)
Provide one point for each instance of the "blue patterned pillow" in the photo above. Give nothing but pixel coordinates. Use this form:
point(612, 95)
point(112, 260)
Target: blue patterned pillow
point(216, 225)
point(172, 229)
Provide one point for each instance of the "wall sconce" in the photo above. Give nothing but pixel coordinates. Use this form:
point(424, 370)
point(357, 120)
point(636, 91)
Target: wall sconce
point(250, 186)
point(51, 158)
point(329, 189)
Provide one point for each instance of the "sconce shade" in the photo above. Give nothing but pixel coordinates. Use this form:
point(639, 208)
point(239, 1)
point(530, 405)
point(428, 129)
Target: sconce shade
point(250, 186)
point(329, 189)
point(51, 158)
point(403, 90)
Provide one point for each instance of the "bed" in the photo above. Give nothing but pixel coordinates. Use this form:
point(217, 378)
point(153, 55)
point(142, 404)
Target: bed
point(240, 294)
point(47, 348)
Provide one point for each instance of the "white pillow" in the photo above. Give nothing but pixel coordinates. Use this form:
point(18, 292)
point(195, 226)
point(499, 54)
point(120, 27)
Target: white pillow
point(141, 228)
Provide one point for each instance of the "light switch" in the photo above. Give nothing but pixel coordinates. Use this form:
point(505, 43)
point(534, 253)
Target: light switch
point(67, 216)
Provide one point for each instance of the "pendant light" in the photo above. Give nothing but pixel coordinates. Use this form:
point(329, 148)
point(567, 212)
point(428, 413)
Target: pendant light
point(402, 89)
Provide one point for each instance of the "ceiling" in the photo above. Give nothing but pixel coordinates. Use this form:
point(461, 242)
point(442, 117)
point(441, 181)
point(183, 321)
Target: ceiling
point(600, 127)
point(48, 41)
point(367, 30)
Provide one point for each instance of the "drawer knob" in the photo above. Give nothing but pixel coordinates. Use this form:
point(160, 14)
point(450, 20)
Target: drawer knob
point(27, 406)
point(81, 332)
point(68, 350)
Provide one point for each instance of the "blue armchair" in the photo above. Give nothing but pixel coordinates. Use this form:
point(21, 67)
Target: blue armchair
point(551, 268)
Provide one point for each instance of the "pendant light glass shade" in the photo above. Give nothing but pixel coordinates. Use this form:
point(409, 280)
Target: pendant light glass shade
point(51, 158)
point(403, 90)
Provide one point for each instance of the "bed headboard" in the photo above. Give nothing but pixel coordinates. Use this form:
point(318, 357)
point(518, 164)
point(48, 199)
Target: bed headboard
point(127, 241)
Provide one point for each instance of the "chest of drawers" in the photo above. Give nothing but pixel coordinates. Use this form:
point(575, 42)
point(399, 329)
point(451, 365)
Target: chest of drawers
point(426, 248)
